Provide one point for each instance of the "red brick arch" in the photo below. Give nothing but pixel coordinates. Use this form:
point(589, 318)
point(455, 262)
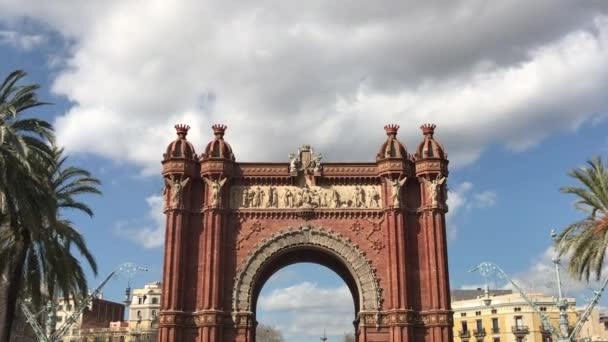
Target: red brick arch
point(360, 269)
point(379, 225)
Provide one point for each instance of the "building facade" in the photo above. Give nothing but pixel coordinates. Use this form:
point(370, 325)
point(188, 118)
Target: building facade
point(142, 323)
point(505, 317)
point(379, 225)
point(97, 315)
point(144, 312)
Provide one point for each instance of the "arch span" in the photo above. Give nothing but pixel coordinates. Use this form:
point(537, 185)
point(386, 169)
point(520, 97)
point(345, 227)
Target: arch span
point(304, 244)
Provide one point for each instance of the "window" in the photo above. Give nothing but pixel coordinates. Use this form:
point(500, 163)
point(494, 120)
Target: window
point(479, 325)
point(138, 313)
point(68, 307)
point(463, 314)
point(493, 311)
point(464, 326)
point(520, 339)
point(154, 300)
point(496, 339)
point(153, 313)
point(140, 300)
point(477, 313)
point(519, 321)
point(542, 308)
point(59, 307)
point(495, 328)
point(517, 309)
point(59, 318)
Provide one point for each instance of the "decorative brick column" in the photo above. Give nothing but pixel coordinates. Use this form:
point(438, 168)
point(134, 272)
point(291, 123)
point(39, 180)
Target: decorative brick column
point(179, 173)
point(432, 172)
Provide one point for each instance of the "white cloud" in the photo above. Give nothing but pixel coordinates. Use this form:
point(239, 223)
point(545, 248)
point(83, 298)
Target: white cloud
point(327, 73)
point(21, 40)
point(311, 307)
point(150, 234)
point(484, 199)
point(460, 198)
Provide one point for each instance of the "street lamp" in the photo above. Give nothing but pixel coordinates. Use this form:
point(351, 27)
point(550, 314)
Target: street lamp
point(486, 299)
point(324, 338)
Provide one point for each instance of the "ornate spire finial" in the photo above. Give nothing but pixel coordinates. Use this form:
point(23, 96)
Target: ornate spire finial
point(219, 130)
point(428, 129)
point(391, 130)
point(182, 130)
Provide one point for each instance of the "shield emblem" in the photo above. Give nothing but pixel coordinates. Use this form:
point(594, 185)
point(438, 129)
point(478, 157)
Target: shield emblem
point(305, 157)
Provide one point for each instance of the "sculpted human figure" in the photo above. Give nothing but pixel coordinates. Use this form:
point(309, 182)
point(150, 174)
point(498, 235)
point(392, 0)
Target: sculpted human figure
point(215, 186)
point(245, 198)
point(356, 197)
point(297, 198)
point(322, 198)
point(273, 197)
point(396, 185)
point(177, 188)
point(373, 198)
point(258, 198)
point(361, 196)
point(294, 159)
point(288, 198)
point(316, 160)
point(434, 188)
point(334, 198)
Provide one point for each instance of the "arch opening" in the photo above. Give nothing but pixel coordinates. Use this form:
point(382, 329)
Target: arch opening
point(305, 254)
point(307, 244)
point(304, 301)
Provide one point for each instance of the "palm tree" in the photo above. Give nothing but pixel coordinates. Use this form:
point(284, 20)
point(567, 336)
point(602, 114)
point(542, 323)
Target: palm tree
point(25, 192)
point(36, 186)
point(586, 240)
point(69, 182)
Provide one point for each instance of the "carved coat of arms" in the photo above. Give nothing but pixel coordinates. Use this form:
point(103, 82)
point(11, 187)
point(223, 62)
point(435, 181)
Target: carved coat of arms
point(305, 160)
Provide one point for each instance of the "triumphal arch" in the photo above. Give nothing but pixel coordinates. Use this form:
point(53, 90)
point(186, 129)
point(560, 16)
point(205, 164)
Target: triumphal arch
point(379, 225)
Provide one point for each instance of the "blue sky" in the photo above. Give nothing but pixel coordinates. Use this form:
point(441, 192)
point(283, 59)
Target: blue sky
point(517, 106)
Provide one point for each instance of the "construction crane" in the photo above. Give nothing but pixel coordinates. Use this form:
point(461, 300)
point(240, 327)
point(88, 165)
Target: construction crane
point(52, 335)
point(562, 334)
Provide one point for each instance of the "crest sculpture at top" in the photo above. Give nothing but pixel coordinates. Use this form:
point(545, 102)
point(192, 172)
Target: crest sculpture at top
point(305, 161)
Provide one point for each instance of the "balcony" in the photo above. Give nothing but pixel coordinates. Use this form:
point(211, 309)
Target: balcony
point(464, 334)
point(479, 332)
point(520, 330)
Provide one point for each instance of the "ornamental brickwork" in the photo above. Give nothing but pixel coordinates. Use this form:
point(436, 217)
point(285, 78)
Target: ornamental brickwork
point(379, 225)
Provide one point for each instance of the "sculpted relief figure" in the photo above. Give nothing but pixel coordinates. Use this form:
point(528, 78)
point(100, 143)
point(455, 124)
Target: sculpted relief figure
point(177, 188)
point(334, 199)
point(273, 197)
point(214, 187)
point(373, 198)
point(316, 161)
point(434, 188)
point(245, 198)
point(294, 160)
point(396, 185)
point(288, 198)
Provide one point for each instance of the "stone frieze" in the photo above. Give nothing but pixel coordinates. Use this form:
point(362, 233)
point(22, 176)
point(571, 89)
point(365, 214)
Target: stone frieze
point(266, 197)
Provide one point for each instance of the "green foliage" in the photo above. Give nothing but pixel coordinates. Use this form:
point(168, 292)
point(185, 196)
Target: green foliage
point(36, 185)
point(585, 241)
point(266, 333)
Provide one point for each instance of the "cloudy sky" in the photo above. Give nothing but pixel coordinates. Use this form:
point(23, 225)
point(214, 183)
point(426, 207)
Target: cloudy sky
point(517, 89)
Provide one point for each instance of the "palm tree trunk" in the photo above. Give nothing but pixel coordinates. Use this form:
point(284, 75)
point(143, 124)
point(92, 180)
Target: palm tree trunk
point(15, 278)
